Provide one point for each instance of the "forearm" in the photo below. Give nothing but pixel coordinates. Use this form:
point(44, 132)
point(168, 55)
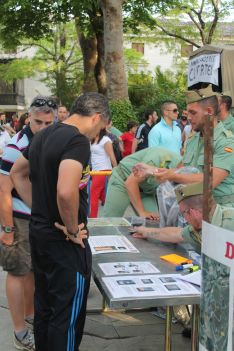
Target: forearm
point(181, 178)
point(166, 234)
point(6, 209)
point(134, 145)
point(135, 196)
point(68, 209)
point(24, 189)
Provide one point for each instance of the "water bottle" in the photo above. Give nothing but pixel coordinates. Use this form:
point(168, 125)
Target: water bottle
point(195, 257)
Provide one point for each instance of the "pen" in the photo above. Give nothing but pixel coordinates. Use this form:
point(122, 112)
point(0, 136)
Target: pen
point(194, 269)
point(184, 266)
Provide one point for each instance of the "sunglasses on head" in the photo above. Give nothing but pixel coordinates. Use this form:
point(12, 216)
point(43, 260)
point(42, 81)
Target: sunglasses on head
point(42, 102)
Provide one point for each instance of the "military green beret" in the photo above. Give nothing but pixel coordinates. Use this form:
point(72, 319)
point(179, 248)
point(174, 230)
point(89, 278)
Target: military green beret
point(183, 191)
point(200, 94)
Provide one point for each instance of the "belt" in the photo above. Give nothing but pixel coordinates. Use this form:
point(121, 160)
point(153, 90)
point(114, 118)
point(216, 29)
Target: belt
point(222, 200)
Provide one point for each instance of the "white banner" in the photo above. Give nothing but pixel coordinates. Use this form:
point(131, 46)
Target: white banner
point(204, 68)
point(217, 293)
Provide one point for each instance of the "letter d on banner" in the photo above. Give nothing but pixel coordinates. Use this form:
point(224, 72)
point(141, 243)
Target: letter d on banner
point(229, 250)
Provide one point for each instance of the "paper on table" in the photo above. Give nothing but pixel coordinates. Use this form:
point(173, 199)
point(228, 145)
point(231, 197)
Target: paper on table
point(148, 286)
point(108, 222)
point(118, 268)
point(110, 243)
point(194, 278)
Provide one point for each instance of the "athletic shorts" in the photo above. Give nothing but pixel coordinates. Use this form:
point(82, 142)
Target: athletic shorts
point(16, 259)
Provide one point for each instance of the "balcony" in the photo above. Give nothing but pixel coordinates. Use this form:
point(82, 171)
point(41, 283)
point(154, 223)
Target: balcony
point(12, 99)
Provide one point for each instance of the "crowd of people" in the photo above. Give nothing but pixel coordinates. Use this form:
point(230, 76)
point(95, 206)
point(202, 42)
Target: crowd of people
point(44, 175)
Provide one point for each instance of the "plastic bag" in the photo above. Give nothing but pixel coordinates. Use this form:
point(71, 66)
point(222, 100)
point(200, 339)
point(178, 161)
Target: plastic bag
point(170, 215)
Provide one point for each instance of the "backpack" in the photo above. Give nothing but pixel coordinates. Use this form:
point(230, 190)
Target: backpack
point(116, 147)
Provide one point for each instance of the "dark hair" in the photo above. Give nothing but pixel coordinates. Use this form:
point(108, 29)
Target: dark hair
point(88, 104)
point(165, 104)
point(227, 100)
point(131, 124)
point(148, 113)
point(102, 133)
point(21, 123)
point(211, 101)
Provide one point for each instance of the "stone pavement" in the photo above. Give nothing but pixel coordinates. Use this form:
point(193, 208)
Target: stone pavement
point(106, 331)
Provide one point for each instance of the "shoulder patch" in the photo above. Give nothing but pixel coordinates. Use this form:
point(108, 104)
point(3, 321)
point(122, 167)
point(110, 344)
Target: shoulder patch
point(228, 133)
point(228, 149)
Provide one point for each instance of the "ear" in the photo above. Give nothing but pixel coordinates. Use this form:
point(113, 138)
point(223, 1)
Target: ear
point(210, 111)
point(96, 118)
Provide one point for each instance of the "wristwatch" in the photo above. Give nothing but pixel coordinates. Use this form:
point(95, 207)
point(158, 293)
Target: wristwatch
point(7, 229)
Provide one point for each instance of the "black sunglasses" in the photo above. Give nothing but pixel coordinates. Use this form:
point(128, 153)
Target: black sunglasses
point(42, 102)
point(174, 110)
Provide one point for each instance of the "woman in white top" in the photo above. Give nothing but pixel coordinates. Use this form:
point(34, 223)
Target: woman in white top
point(102, 159)
point(4, 140)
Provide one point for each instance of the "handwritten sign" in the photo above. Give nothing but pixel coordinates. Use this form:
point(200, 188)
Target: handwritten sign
point(204, 68)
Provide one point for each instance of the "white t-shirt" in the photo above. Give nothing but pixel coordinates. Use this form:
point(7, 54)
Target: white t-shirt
point(99, 158)
point(4, 140)
point(187, 130)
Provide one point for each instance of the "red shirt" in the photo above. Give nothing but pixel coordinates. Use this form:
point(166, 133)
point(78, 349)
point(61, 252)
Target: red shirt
point(127, 139)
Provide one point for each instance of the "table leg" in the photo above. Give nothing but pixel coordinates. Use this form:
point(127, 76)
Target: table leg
point(104, 305)
point(195, 328)
point(167, 343)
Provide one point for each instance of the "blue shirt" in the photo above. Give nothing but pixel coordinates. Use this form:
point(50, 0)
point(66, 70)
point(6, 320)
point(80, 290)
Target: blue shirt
point(168, 137)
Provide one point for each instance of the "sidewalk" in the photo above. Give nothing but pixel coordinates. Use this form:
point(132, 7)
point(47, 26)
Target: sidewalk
point(109, 331)
point(106, 331)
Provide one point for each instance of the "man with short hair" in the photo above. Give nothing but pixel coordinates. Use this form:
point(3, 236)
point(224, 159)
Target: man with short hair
point(14, 217)
point(140, 141)
point(58, 163)
point(201, 103)
point(62, 113)
point(225, 115)
point(166, 133)
point(190, 200)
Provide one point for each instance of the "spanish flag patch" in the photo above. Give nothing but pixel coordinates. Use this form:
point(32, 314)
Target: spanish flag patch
point(228, 149)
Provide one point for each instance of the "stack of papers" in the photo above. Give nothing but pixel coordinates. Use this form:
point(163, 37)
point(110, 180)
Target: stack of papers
point(149, 286)
point(119, 268)
point(110, 244)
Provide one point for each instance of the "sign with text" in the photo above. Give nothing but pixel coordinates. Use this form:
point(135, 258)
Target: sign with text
point(204, 68)
point(217, 293)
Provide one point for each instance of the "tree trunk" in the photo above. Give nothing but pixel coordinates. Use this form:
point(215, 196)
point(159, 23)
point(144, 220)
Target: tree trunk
point(88, 47)
point(100, 72)
point(114, 58)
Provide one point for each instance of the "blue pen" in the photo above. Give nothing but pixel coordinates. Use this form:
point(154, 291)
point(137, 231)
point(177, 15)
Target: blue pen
point(184, 266)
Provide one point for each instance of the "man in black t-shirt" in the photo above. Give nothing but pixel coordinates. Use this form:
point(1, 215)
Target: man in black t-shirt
point(58, 166)
point(140, 141)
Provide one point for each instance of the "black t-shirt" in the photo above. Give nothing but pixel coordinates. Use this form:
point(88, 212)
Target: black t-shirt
point(142, 135)
point(48, 148)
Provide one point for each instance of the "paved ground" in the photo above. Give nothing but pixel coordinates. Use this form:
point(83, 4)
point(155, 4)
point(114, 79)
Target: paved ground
point(106, 331)
point(109, 331)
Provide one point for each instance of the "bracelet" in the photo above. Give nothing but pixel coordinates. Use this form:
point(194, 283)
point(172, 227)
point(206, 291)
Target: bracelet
point(74, 234)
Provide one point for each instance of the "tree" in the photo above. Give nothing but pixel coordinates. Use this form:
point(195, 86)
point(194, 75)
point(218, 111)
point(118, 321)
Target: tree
point(59, 59)
point(198, 19)
point(113, 41)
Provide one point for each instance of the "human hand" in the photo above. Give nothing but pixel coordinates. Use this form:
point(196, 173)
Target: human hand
point(142, 170)
point(139, 232)
point(81, 235)
point(150, 215)
point(164, 174)
point(7, 238)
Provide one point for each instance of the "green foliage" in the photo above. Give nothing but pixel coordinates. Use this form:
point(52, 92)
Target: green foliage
point(150, 92)
point(122, 112)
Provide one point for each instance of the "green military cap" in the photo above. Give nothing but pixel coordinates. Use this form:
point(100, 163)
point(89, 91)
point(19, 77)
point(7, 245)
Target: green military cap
point(200, 94)
point(183, 191)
